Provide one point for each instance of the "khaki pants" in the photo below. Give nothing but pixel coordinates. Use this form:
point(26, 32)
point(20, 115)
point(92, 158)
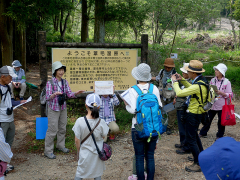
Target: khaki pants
point(8, 131)
point(23, 87)
point(114, 128)
point(57, 121)
point(172, 115)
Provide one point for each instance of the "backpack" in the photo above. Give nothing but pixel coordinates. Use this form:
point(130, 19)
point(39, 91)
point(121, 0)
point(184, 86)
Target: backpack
point(149, 117)
point(1, 94)
point(210, 99)
point(166, 91)
point(43, 93)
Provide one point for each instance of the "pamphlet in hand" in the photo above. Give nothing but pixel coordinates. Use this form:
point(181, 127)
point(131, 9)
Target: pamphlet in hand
point(28, 100)
point(215, 89)
point(125, 96)
point(104, 87)
point(169, 107)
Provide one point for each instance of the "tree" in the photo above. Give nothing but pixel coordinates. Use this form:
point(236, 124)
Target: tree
point(99, 27)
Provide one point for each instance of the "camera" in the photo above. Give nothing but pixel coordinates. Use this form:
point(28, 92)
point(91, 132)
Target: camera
point(176, 76)
point(61, 99)
point(9, 111)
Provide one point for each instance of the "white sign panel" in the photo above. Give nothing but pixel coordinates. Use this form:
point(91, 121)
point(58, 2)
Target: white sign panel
point(104, 87)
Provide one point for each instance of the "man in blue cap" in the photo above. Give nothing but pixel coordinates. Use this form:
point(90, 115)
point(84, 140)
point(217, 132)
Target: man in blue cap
point(18, 82)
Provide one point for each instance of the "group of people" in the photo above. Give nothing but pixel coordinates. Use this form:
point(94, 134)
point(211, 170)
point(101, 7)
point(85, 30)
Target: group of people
point(181, 90)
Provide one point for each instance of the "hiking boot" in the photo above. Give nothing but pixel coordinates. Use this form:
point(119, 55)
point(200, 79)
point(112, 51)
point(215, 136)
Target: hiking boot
point(190, 158)
point(178, 145)
point(50, 156)
point(65, 150)
point(193, 168)
point(169, 131)
point(202, 136)
point(181, 151)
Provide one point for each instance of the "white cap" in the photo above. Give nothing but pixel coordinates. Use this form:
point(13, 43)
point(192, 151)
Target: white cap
point(7, 70)
point(142, 72)
point(221, 67)
point(93, 100)
point(183, 68)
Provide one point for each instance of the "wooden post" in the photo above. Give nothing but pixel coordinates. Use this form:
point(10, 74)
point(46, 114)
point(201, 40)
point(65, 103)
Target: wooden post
point(42, 54)
point(144, 49)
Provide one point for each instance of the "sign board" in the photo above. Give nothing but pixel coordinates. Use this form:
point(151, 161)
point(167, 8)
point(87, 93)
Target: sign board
point(174, 55)
point(85, 66)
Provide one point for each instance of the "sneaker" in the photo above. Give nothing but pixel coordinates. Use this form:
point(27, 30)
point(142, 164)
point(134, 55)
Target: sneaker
point(190, 158)
point(181, 151)
point(145, 174)
point(9, 167)
point(202, 136)
point(193, 168)
point(65, 150)
point(132, 177)
point(168, 131)
point(50, 156)
point(111, 137)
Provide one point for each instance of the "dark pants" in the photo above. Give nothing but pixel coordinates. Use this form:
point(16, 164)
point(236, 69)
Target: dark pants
point(182, 131)
point(221, 129)
point(192, 138)
point(139, 145)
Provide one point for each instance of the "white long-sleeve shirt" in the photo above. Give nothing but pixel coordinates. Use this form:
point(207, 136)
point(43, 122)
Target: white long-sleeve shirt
point(133, 95)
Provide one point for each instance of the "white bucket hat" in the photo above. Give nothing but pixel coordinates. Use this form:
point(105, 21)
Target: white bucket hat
point(183, 68)
point(221, 67)
point(57, 65)
point(92, 100)
point(16, 63)
point(142, 72)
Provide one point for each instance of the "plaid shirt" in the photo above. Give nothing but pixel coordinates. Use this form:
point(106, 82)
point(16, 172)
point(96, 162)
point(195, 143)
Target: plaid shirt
point(113, 102)
point(53, 103)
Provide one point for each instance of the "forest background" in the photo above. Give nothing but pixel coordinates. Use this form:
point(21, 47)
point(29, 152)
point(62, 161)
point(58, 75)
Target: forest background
point(185, 27)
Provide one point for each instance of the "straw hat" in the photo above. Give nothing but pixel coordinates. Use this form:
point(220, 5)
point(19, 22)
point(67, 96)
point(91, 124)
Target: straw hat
point(142, 72)
point(57, 65)
point(221, 67)
point(183, 68)
point(195, 66)
point(169, 62)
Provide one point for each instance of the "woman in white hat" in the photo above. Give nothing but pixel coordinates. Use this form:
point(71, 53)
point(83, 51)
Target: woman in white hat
point(89, 163)
point(57, 109)
point(18, 82)
point(223, 92)
point(142, 73)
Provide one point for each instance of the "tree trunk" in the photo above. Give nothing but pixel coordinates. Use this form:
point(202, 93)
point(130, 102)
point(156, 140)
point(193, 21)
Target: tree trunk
point(20, 47)
point(6, 34)
point(99, 27)
point(85, 19)
point(55, 22)
point(175, 33)
point(232, 24)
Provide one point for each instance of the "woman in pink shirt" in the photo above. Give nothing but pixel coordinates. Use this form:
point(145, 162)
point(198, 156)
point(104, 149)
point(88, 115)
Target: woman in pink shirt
point(224, 90)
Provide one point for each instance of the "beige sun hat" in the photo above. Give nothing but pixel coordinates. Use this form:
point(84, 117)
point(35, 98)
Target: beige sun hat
point(195, 66)
point(183, 68)
point(142, 72)
point(169, 62)
point(57, 65)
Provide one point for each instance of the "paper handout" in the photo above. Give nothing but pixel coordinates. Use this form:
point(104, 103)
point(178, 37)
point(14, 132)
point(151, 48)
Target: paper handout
point(125, 96)
point(28, 100)
point(104, 87)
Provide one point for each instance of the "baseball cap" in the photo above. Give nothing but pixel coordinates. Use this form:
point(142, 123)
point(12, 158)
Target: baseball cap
point(93, 100)
point(7, 70)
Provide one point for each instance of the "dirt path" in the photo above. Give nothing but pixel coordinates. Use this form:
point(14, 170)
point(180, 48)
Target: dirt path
point(29, 166)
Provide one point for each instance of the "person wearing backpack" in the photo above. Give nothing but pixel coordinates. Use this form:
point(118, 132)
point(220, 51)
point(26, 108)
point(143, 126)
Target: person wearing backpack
point(57, 109)
point(166, 90)
point(89, 163)
point(224, 91)
point(6, 107)
point(146, 140)
point(197, 92)
point(179, 103)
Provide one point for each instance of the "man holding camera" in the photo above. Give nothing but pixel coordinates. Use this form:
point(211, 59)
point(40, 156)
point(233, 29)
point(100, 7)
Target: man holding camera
point(6, 106)
point(194, 112)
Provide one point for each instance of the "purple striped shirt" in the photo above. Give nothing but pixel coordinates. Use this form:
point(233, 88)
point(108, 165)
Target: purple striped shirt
point(53, 103)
